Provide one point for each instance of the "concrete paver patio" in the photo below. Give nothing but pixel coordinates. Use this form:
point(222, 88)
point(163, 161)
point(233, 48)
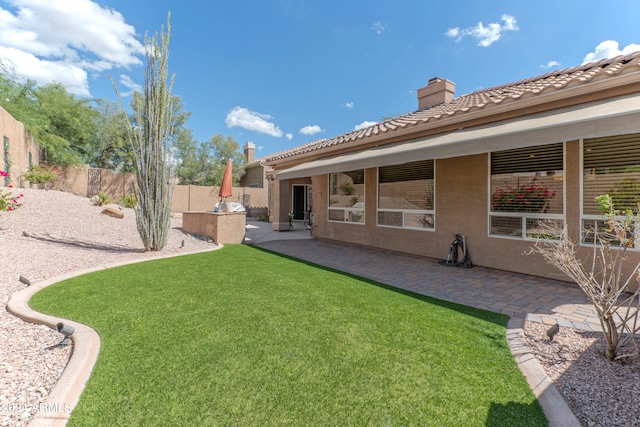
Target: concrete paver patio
point(516, 295)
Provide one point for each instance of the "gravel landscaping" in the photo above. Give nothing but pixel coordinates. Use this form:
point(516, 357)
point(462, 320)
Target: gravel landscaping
point(56, 232)
point(600, 393)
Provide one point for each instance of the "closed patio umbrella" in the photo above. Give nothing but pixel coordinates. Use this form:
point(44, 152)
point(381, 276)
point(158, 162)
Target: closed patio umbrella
point(226, 188)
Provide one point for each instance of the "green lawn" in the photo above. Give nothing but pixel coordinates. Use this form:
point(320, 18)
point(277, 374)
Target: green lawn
point(245, 337)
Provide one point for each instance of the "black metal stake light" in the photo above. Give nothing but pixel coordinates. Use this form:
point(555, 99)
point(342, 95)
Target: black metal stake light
point(66, 330)
point(552, 331)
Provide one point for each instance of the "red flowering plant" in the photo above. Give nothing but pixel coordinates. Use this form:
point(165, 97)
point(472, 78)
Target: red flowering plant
point(9, 202)
point(531, 197)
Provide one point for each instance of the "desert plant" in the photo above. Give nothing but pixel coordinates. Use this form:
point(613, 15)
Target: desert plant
point(347, 188)
point(128, 200)
point(39, 174)
point(603, 280)
point(101, 199)
point(151, 137)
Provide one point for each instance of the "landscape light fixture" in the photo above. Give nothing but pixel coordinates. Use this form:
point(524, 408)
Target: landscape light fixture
point(67, 331)
point(552, 331)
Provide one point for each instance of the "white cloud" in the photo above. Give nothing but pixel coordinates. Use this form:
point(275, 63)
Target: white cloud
point(550, 64)
point(349, 105)
point(64, 40)
point(260, 147)
point(486, 36)
point(453, 32)
point(126, 81)
point(363, 125)
point(289, 136)
point(27, 66)
point(609, 49)
point(250, 120)
point(378, 27)
point(310, 130)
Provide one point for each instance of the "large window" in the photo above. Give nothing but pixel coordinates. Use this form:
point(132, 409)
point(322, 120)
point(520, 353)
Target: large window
point(527, 192)
point(346, 196)
point(405, 195)
point(611, 165)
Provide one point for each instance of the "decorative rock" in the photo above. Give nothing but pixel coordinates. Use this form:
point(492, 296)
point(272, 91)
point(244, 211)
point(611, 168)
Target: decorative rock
point(113, 212)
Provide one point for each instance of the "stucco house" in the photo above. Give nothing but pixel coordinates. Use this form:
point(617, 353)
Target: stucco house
point(255, 176)
point(255, 170)
point(502, 166)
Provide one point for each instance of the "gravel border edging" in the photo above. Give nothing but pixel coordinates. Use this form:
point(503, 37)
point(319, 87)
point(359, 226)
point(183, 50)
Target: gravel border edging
point(553, 404)
point(65, 395)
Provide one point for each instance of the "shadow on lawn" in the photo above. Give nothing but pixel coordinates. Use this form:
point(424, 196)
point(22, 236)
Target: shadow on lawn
point(496, 318)
point(499, 412)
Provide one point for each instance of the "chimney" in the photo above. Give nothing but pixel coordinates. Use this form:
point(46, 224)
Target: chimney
point(438, 91)
point(249, 151)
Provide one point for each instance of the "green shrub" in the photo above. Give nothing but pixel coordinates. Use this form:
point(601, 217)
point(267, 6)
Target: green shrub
point(101, 199)
point(39, 175)
point(347, 188)
point(128, 200)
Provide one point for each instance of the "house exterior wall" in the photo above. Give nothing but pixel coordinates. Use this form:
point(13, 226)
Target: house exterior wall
point(462, 197)
point(282, 201)
point(254, 177)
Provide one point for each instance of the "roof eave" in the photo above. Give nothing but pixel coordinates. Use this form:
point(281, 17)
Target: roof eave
point(575, 94)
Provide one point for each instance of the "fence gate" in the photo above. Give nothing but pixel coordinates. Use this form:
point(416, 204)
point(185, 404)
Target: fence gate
point(95, 182)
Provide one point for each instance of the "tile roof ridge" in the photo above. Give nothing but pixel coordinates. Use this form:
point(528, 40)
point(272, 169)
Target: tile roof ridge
point(554, 80)
point(598, 64)
point(297, 148)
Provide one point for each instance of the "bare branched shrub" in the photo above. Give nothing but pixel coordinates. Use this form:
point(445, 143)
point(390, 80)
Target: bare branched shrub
point(151, 137)
point(613, 293)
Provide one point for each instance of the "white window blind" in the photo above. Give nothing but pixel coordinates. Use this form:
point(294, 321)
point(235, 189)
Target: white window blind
point(611, 165)
point(406, 195)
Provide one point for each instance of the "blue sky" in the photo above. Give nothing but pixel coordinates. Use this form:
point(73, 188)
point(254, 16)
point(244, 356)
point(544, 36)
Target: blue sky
point(284, 73)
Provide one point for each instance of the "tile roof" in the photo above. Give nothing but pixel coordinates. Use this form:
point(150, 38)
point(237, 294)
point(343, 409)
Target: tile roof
point(480, 100)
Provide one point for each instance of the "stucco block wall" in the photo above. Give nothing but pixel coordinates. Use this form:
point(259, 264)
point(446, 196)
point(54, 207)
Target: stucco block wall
point(190, 198)
point(20, 145)
point(72, 179)
point(117, 184)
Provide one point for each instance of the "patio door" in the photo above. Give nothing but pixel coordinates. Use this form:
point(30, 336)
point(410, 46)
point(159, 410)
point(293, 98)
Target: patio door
point(300, 202)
